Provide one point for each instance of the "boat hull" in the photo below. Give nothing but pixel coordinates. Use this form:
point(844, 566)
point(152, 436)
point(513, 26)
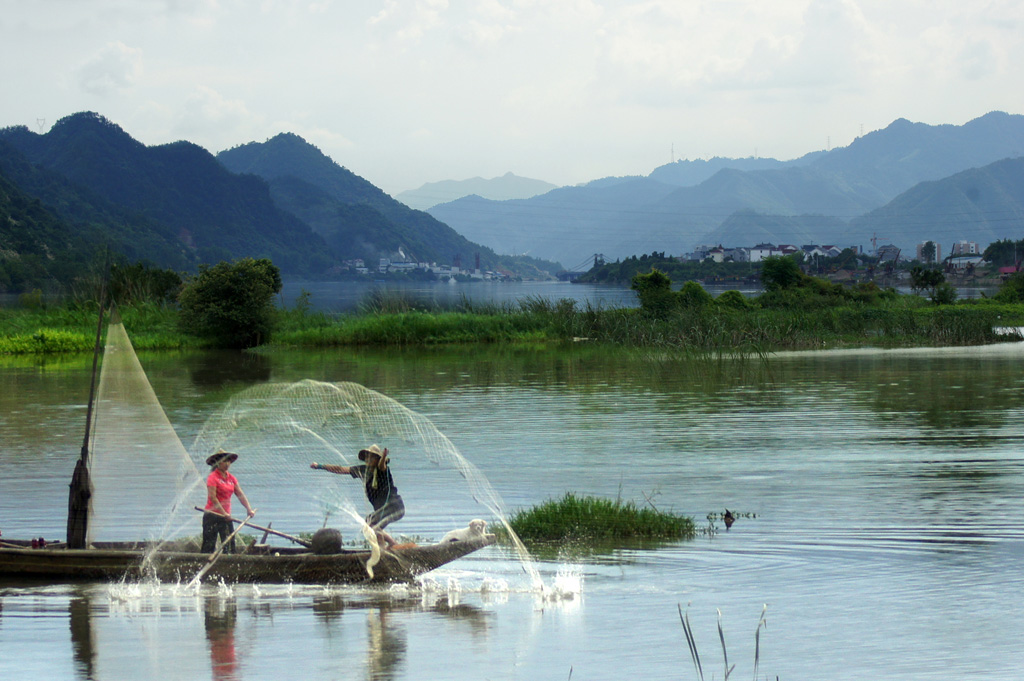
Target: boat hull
point(271, 566)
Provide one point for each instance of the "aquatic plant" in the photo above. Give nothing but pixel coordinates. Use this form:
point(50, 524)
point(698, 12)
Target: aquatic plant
point(588, 518)
point(691, 642)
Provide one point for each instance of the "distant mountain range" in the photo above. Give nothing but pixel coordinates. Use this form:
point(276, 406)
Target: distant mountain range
point(87, 185)
point(503, 188)
point(823, 197)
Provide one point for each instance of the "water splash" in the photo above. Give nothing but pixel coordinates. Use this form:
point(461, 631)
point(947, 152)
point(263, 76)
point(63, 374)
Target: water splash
point(281, 427)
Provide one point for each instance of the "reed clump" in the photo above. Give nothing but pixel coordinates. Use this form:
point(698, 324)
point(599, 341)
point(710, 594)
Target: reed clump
point(592, 519)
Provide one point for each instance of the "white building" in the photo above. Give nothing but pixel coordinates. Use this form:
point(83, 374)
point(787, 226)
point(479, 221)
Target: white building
point(965, 248)
point(762, 251)
point(737, 254)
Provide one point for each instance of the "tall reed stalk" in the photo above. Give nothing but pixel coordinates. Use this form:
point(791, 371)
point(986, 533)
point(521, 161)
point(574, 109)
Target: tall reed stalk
point(691, 642)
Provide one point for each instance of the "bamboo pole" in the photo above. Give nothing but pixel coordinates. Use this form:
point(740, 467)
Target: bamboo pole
point(303, 542)
point(215, 555)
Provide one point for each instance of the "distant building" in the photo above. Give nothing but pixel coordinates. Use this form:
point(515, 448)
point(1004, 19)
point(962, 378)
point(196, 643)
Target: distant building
point(888, 253)
point(762, 251)
point(813, 251)
point(965, 248)
point(963, 262)
point(699, 253)
point(1005, 272)
point(737, 254)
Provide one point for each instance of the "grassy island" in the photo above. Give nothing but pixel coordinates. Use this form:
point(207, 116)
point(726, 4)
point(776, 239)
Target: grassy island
point(591, 519)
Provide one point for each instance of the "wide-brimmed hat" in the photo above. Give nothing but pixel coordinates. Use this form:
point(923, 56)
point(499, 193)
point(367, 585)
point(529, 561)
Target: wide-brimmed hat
point(372, 449)
point(215, 459)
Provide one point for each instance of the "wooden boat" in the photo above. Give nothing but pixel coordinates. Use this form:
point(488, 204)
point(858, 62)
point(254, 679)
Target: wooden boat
point(113, 561)
point(82, 558)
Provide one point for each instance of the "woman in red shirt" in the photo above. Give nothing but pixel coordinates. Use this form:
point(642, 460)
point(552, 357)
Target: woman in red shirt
point(220, 485)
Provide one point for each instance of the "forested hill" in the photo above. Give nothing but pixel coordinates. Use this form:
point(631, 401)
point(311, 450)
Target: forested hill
point(983, 204)
point(179, 188)
point(35, 245)
point(67, 227)
point(354, 216)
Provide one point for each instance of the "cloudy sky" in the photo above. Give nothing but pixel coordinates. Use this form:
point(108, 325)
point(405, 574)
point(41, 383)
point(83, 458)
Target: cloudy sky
point(404, 92)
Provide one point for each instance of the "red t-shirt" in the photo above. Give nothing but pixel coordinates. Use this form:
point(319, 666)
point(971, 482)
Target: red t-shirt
point(225, 487)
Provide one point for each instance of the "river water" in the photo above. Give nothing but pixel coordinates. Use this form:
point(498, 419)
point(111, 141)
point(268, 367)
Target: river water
point(879, 494)
point(345, 296)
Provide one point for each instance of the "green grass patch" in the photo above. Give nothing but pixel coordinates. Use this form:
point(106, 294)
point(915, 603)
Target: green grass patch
point(591, 519)
point(71, 328)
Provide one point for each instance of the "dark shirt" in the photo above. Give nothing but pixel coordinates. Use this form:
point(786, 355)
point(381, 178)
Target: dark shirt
point(385, 490)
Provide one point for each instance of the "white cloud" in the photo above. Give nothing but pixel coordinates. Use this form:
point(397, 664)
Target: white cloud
point(977, 60)
point(205, 115)
point(114, 67)
point(564, 89)
point(409, 21)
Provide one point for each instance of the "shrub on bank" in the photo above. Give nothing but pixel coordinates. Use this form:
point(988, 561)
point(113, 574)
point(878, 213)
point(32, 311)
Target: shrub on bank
point(231, 304)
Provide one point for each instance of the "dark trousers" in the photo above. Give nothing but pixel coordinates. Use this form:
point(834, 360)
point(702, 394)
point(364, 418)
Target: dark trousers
point(216, 526)
point(387, 514)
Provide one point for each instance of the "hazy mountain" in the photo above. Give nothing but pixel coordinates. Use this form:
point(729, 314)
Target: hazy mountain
point(350, 213)
point(503, 188)
point(620, 217)
point(687, 173)
point(179, 188)
point(982, 204)
point(747, 228)
point(567, 225)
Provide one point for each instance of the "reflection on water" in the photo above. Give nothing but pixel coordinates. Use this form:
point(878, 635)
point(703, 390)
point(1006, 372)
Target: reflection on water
point(219, 616)
point(216, 368)
point(888, 540)
point(83, 645)
point(385, 645)
point(238, 626)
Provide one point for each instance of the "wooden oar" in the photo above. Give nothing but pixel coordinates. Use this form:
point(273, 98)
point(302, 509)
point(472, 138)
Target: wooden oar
point(303, 542)
point(215, 555)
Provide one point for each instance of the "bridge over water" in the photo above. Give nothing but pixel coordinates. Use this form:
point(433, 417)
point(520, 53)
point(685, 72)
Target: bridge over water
point(582, 268)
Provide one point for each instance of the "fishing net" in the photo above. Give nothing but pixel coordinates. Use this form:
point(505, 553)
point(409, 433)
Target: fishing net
point(137, 465)
point(279, 429)
point(146, 485)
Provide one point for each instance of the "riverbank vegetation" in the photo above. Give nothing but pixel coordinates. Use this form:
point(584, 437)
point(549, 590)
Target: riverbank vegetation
point(795, 312)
